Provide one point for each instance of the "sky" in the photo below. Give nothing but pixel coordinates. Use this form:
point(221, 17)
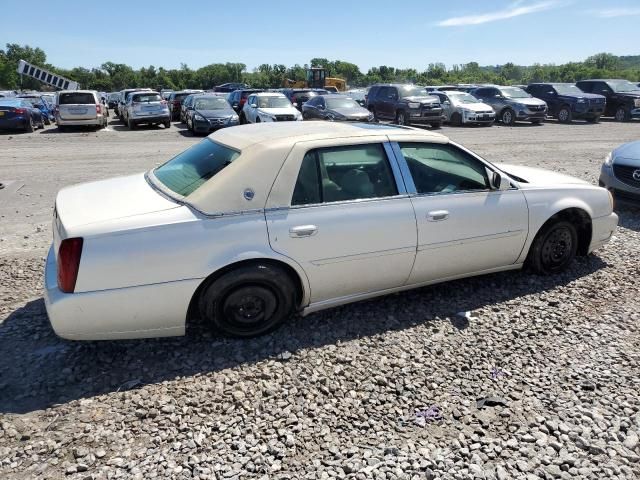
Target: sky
point(411, 33)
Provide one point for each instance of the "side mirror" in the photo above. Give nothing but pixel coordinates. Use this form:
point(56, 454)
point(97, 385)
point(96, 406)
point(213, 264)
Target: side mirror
point(235, 105)
point(295, 104)
point(446, 102)
point(500, 182)
point(497, 95)
point(254, 105)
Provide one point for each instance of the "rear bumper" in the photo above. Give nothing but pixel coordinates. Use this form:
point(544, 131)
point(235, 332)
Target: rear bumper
point(602, 229)
point(87, 121)
point(16, 123)
point(146, 311)
point(150, 119)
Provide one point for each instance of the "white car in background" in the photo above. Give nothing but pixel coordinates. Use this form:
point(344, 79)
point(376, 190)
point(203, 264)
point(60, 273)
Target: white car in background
point(257, 222)
point(269, 107)
point(80, 107)
point(461, 108)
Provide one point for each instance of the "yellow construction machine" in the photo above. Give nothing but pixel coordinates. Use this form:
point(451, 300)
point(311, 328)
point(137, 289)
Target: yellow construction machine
point(316, 78)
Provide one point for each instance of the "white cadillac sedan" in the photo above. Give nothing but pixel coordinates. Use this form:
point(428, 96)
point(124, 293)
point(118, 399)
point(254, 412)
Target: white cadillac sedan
point(257, 222)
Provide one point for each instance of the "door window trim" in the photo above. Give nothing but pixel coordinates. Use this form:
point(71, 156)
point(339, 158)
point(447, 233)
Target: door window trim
point(395, 171)
point(411, 186)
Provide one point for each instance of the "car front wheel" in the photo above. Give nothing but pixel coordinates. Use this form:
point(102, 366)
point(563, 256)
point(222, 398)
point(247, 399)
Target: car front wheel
point(622, 114)
point(564, 115)
point(249, 301)
point(508, 117)
point(401, 118)
point(554, 248)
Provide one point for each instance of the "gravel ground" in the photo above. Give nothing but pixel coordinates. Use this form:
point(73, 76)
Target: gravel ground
point(502, 376)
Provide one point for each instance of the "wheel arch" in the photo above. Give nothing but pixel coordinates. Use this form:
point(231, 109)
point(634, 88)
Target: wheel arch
point(295, 273)
point(576, 215)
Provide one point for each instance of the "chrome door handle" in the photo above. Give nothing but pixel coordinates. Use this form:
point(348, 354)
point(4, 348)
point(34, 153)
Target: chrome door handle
point(437, 215)
point(303, 231)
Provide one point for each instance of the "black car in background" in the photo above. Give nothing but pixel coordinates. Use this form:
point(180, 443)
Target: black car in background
point(206, 112)
point(404, 104)
point(175, 102)
point(238, 98)
point(112, 100)
point(335, 108)
point(566, 102)
point(299, 96)
point(623, 97)
point(19, 114)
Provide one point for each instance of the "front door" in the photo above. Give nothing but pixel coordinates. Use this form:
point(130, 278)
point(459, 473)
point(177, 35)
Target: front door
point(348, 221)
point(464, 226)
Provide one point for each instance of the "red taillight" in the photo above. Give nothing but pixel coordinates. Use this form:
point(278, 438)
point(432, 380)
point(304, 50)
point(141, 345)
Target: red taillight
point(68, 263)
point(20, 111)
point(98, 108)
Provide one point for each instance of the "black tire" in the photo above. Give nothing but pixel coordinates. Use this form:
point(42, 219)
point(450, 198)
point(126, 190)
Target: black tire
point(565, 115)
point(508, 117)
point(593, 119)
point(243, 119)
point(131, 125)
point(456, 119)
point(401, 118)
point(622, 114)
point(47, 121)
point(375, 115)
point(62, 128)
point(436, 125)
point(258, 120)
point(554, 247)
point(249, 301)
point(29, 126)
point(167, 124)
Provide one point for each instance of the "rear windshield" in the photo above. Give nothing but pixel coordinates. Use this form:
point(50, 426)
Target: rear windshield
point(180, 96)
point(76, 98)
point(187, 171)
point(146, 97)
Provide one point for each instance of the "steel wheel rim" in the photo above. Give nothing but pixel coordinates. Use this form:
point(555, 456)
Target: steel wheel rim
point(557, 247)
point(401, 120)
point(249, 307)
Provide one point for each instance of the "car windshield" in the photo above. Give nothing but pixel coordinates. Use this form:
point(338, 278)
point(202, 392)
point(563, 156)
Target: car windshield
point(623, 86)
point(187, 171)
point(567, 89)
point(341, 103)
point(214, 103)
point(462, 98)
point(146, 98)
point(514, 92)
point(76, 98)
point(273, 102)
point(413, 92)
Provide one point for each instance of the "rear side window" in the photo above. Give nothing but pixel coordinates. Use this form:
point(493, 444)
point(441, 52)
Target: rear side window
point(187, 171)
point(438, 168)
point(76, 98)
point(344, 173)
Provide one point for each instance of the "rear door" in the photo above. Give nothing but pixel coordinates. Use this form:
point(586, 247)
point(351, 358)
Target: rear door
point(340, 211)
point(77, 106)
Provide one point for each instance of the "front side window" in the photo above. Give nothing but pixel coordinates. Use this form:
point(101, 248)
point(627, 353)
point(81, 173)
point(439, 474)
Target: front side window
point(353, 172)
point(187, 171)
point(443, 168)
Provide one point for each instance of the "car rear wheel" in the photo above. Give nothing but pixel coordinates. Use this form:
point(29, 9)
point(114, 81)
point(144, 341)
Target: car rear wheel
point(436, 125)
point(243, 119)
point(29, 126)
point(622, 114)
point(554, 248)
point(249, 301)
point(131, 125)
point(456, 119)
point(258, 120)
point(167, 124)
point(508, 117)
point(564, 115)
point(401, 118)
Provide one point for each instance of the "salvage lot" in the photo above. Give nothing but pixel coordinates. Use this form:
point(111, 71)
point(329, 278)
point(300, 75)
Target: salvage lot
point(381, 389)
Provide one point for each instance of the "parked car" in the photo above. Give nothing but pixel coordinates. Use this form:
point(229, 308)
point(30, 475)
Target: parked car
point(461, 108)
point(268, 107)
point(335, 108)
point(165, 92)
point(230, 87)
point(359, 96)
point(238, 98)
point(299, 96)
point(121, 108)
point(207, 113)
point(257, 222)
point(623, 97)
point(80, 107)
point(147, 107)
point(620, 172)
point(185, 104)
point(566, 102)
point(112, 100)
point(404, 104)
point(512, 104)
point(19, 114)
point(175, 102)
point(39, 102)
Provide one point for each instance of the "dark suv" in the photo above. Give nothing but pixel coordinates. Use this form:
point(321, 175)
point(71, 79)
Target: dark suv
point(566, 102)
point(299, 96)
point(404, 104)
point(237, 98)
point(623, 97)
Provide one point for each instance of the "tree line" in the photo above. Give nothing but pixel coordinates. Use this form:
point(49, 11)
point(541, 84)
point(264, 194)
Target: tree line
point(117, 76)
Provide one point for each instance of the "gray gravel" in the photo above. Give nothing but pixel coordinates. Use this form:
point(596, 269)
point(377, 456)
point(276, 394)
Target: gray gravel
point(498, 377)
